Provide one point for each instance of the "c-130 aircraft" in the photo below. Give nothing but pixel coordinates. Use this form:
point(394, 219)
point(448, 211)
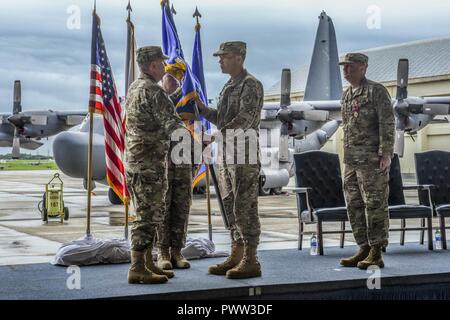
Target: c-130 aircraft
point(23, 129)
point(310, 122)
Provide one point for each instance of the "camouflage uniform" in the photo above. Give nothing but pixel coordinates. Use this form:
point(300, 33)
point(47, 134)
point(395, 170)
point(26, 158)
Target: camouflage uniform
point(239, 107)
point(368, 123)
point(149, 124)
point(172, 232)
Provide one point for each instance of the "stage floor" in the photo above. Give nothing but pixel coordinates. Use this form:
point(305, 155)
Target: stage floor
point(287, 274)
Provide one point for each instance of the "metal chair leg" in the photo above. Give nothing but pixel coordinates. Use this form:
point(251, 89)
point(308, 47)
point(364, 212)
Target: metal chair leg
point(342, 234)
point(430, 233)
point(320, 236)
point(422, 232)
point(443, 235)
point(402, 233)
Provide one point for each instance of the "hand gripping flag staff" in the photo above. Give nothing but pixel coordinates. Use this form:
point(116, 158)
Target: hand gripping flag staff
point(103, 99)
point(191, 87)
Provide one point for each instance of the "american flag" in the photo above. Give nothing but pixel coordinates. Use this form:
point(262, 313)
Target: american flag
point(104, 99)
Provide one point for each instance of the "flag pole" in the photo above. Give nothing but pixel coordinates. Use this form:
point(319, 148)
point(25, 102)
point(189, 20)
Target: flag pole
point(197, 15)
point(210, 167)
point(208, 201)
point(89, 182)
point(91, 134)
point(129, 60)
point(126, 218)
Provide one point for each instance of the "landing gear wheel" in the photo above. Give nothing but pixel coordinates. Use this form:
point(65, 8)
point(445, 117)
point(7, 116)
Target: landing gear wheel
point(113, 198)
point(199, 190)
point(277, 191)
point(66, 213)
point(44, 214)
point(263, 191)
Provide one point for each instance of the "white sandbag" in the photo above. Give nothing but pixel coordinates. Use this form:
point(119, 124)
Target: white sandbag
point(89, 250)
point(199, 248)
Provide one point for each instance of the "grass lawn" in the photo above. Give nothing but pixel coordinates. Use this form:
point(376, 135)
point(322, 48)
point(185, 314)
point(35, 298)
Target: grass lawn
point(15, 165)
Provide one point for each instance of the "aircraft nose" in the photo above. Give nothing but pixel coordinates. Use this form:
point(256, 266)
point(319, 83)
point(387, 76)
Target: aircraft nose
point(70, 153)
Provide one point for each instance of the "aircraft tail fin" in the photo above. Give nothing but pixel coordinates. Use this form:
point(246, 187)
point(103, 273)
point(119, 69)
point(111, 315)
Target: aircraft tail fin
point(324, 78)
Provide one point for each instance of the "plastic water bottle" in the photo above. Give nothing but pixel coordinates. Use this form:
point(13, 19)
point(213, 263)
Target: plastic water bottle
point(437, 240)
point(313, 242)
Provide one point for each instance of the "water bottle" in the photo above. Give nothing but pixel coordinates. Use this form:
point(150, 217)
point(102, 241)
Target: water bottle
point(313, 242)
point(437, 240)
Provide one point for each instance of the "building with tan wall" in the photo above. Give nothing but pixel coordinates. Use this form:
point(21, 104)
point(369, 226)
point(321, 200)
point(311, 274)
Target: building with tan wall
point(429, 75)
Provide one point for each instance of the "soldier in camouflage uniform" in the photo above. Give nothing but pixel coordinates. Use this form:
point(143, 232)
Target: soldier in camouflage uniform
point(172, 232)
point(149, 123)
point(239, 107)
point(368, 122)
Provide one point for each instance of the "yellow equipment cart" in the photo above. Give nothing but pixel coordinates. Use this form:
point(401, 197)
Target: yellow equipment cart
point(53, 201)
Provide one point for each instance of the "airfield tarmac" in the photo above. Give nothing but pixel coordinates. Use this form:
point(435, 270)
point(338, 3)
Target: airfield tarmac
point(24, 238)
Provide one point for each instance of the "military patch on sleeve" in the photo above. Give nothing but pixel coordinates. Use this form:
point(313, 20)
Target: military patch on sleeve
point(250, 94)
point(249, 98)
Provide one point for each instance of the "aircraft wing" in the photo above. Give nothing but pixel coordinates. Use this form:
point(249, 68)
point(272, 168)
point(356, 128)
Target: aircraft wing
point(437, 100)
point(325, 105)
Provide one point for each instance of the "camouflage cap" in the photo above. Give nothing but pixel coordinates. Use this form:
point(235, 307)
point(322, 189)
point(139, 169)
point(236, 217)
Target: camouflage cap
point(149, 53)
point(354, 57)
point(236, 47)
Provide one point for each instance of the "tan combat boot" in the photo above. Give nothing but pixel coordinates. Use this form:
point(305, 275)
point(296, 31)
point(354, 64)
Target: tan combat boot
point(352, 261)
point(237, 252)
point(150, 265)
point(178, 260)
point(164, 258)
point(139, 274)
point(374, 258)
point(249, 266)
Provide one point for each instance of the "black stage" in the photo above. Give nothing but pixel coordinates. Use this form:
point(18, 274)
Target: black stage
point(411, 272)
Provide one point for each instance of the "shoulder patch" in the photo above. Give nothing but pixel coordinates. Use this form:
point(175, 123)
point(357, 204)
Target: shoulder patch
point(250, 94)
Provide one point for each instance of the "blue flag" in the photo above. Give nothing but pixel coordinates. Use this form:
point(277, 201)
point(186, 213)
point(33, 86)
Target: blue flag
point(197, 69)
point(177, 66)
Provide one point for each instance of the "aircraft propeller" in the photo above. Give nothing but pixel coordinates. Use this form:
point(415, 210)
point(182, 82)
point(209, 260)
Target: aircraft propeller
point(285, 101)
point(17, 107)
point(404, 107)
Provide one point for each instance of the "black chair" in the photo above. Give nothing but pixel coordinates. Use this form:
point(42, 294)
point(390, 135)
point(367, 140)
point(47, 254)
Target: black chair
point(433, 167)
point(398, 209)
point(320, 197)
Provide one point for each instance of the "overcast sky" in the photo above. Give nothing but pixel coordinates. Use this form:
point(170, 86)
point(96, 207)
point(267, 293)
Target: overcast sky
point(53, 61)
